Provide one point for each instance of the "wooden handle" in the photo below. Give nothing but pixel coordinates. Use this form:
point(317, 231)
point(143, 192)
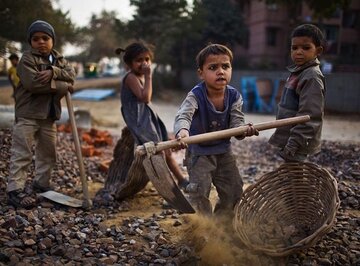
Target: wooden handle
point(224, 134)
point(86, 201)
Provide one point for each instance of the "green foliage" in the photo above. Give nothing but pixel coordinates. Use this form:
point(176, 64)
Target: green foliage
point(325, 9)
point(216, 22)
point(223, 22)
point(16, 17)
point(160, 23)
point(103, 35)
point(179, 32)
point(163, 24)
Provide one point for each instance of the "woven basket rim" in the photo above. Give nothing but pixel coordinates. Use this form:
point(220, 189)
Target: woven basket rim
point(243, 207)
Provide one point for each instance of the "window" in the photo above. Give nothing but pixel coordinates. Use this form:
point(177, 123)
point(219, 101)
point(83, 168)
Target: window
point(349, 50)
point(272, 7)
point(351, 19)
point(245, 39)
point(271, 36)
point(332, 36)
point(337, 13)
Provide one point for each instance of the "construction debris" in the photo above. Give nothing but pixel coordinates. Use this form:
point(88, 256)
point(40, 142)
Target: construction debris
point(56, 235)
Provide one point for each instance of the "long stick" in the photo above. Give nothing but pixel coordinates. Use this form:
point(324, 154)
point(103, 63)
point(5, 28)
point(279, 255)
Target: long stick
point(86, 201)
point(223, 134)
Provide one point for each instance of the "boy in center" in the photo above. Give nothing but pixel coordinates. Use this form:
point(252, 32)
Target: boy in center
point(212, 105)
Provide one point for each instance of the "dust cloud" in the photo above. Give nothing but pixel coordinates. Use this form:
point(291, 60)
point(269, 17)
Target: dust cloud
point(215, 241)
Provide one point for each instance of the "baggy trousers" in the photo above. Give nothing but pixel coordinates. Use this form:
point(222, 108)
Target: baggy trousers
point(222, 171)
point(26, 132)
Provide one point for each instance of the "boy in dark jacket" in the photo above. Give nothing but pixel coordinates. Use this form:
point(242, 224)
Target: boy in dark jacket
point(45, 77)
point(212, 105)
point(303, 94)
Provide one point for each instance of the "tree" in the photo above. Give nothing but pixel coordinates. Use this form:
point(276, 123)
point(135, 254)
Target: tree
point(159, 23)
point(16, 17)
point(216, 22)
point(179, 32)
point(223, 22)
point(104, 34)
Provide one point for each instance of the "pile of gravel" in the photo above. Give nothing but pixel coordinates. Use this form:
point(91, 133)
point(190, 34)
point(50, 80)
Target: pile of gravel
point(53, 234)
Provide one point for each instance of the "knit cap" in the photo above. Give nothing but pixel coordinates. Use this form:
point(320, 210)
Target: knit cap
point(40, 26)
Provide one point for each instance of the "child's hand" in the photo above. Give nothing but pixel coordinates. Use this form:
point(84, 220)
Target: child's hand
point(44, 76)
point(251, 131)
point(146, 69)
point(183, 133)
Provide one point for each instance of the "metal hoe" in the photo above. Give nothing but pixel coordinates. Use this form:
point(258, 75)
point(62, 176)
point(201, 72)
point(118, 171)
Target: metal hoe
point(61, 198)
point(160, 175)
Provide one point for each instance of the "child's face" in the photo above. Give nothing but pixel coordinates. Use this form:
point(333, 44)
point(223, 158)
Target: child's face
point(216, 71)
point(14, 62)
point(42, 42)
point(303, 50)
point(140, 62)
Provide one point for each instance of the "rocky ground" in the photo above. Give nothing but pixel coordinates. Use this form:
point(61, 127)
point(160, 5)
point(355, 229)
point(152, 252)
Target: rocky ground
point(144, 231)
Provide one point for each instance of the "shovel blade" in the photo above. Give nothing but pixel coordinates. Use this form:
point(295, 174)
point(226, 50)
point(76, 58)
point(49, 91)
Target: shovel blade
point(62, 199)
point(159, 174)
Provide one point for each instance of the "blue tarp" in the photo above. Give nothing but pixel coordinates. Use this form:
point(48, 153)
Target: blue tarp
point(93, 94)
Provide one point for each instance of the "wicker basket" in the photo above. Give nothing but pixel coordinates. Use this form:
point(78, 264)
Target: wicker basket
point(288, 209)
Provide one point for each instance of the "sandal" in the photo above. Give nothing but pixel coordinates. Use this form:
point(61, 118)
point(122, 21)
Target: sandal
point(20, 199)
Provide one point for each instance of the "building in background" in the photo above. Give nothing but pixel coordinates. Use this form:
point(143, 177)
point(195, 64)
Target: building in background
point(269, 27)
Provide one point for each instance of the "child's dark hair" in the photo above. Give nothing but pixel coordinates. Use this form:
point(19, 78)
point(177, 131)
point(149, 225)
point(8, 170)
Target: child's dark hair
point(212, 49)
point(133, 50)
point(311, 31)
point(13, 56)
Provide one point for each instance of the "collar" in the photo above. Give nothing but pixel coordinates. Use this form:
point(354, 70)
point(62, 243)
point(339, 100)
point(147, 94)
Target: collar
point(295, 68)
point(55, 54)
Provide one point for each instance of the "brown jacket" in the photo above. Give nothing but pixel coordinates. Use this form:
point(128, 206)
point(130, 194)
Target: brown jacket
point(34, 99)
point(303, 94)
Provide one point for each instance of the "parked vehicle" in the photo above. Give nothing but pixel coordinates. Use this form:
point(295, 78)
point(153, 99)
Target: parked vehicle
point(91, 70)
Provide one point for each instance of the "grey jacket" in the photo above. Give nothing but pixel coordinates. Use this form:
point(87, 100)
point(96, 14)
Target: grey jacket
point(303, 94)
point(34, 99)
point(189, 106)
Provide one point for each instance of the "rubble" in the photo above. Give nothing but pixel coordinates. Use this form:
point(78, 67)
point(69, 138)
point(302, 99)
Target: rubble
point(117, 234)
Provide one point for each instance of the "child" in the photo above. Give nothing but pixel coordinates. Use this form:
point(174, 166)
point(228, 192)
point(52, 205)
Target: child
point(303, 94)
point(45, 77)
point(12, 73)
point(143, 122)
point(210, 106)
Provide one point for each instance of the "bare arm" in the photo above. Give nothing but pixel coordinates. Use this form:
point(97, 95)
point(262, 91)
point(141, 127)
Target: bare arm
point(143, 92)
